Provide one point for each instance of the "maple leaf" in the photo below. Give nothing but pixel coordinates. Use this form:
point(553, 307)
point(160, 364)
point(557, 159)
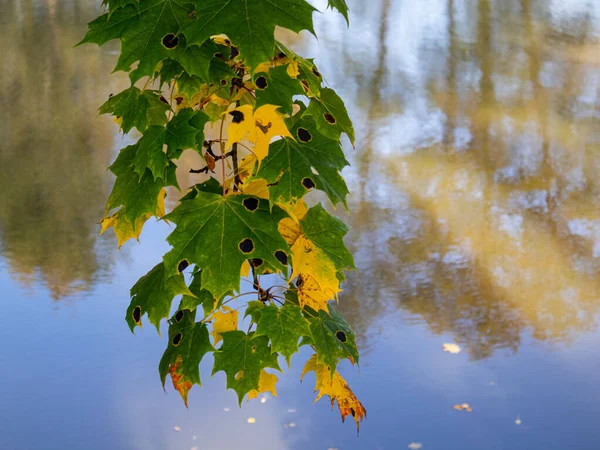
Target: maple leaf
point(341, 6)
point(330, 114)
point(250, 24)
point(219, 233)
point(284, 327)
point(242, 357)
point(223, 322)
point(266, 383)
point(136, 197)
point(337, 389)
point(277, 88)
point(310, 161)
point(188, 343)
point(200, 297)
point(258, 127)
point(139, 109)
point(303, 69)
point(124, 229)
point(153, 295)
point(332, 338)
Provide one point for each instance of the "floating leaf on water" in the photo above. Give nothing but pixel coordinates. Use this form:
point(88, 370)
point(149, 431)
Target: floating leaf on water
point(463, 407)
point(251, 420)
point(451, 348)
point(415, 445)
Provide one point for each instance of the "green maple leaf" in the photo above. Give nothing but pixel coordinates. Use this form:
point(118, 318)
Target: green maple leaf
point(277, 88)
point(137, 196)
point(185, 130)
point(201, 61)
point(284, 327)
point(219, 233)
point(188, 343)
point(310, 160)
point(136, 109)
point(201, 296)
point(153, 295)
point(341, 6)
point(332, 338)
point(242, 357)
point(330, 114)
point(327, 233)
point(253, 309)
point(250, 24)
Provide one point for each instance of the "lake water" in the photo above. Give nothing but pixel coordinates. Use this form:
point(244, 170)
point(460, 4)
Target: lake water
point(474, 220)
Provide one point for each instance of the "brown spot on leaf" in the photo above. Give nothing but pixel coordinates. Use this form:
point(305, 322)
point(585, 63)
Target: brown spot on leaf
point(341, 336)
point(234, 52)
point(163, 99)
point(183, 265)
point(137, 315)
point(281, 257)
point(238, 116)
point(251, 203)
point(264, 128)
point(170, 41)
point(300, 281)
point(316, 72)
point(177, 339)
point(179, 316)
point(223, 82)
point(247, 246)
point(281, 55)
point(329, 118)
point(261, 83)
point(305, 85)
point(256, 262)
point(308, 183)
point(304, 135)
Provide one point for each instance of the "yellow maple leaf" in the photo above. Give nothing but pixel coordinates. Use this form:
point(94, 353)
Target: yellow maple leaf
point(124, 229)
point(258, 127)
point(337, 389)
point(224, 321)
point(317, 283)
point(266, 383)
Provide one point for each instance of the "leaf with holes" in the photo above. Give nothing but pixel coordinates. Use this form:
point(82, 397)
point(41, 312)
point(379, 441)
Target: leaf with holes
point(330, 114)
point(332, 338)
point(153, 295)
point(242, 357)
point(277, 88)
point(284, 327)
point(188, 343)
point(250, 24)
point(309, 161)
point(219, 233)
point(136, 109)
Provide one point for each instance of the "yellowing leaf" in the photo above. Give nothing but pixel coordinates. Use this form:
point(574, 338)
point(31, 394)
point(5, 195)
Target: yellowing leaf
point(245, 270)
point(258, 127)
point(337, 389)
point(221, 39)
point(124, 229)
point(224, 321)
point(266, 383)
point(290, 230)
point(292, 69)
point(257, 187)
point(318, 283)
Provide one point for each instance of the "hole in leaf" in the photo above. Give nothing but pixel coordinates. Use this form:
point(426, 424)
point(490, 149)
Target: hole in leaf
point(238, 116)
point(223, 82)
point(261, 83)
point(247, 246)
point(281, 55)
point(179, 316)
point(137, 315)
point(305, 85)
point(170, 41)
point(179, 100)
point(183, 265)
point(281, 257)
point(341, 336)
point(163, 99)
point(329, 118)
point(177, 339)
point(234, 52)
point(256, 262)
point(304, 135)
point(308, 183)
point(299, 282)
point(251, 203)
point(353, 412)
point(316, 72)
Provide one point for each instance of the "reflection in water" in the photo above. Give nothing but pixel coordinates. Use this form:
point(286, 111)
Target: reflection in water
point(53, 150)
point(478, 203)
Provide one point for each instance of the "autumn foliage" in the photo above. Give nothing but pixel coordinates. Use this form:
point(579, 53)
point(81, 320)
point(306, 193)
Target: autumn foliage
point(200, 64)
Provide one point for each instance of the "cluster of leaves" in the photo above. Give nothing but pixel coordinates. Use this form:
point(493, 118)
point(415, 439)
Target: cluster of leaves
point(198, 63)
